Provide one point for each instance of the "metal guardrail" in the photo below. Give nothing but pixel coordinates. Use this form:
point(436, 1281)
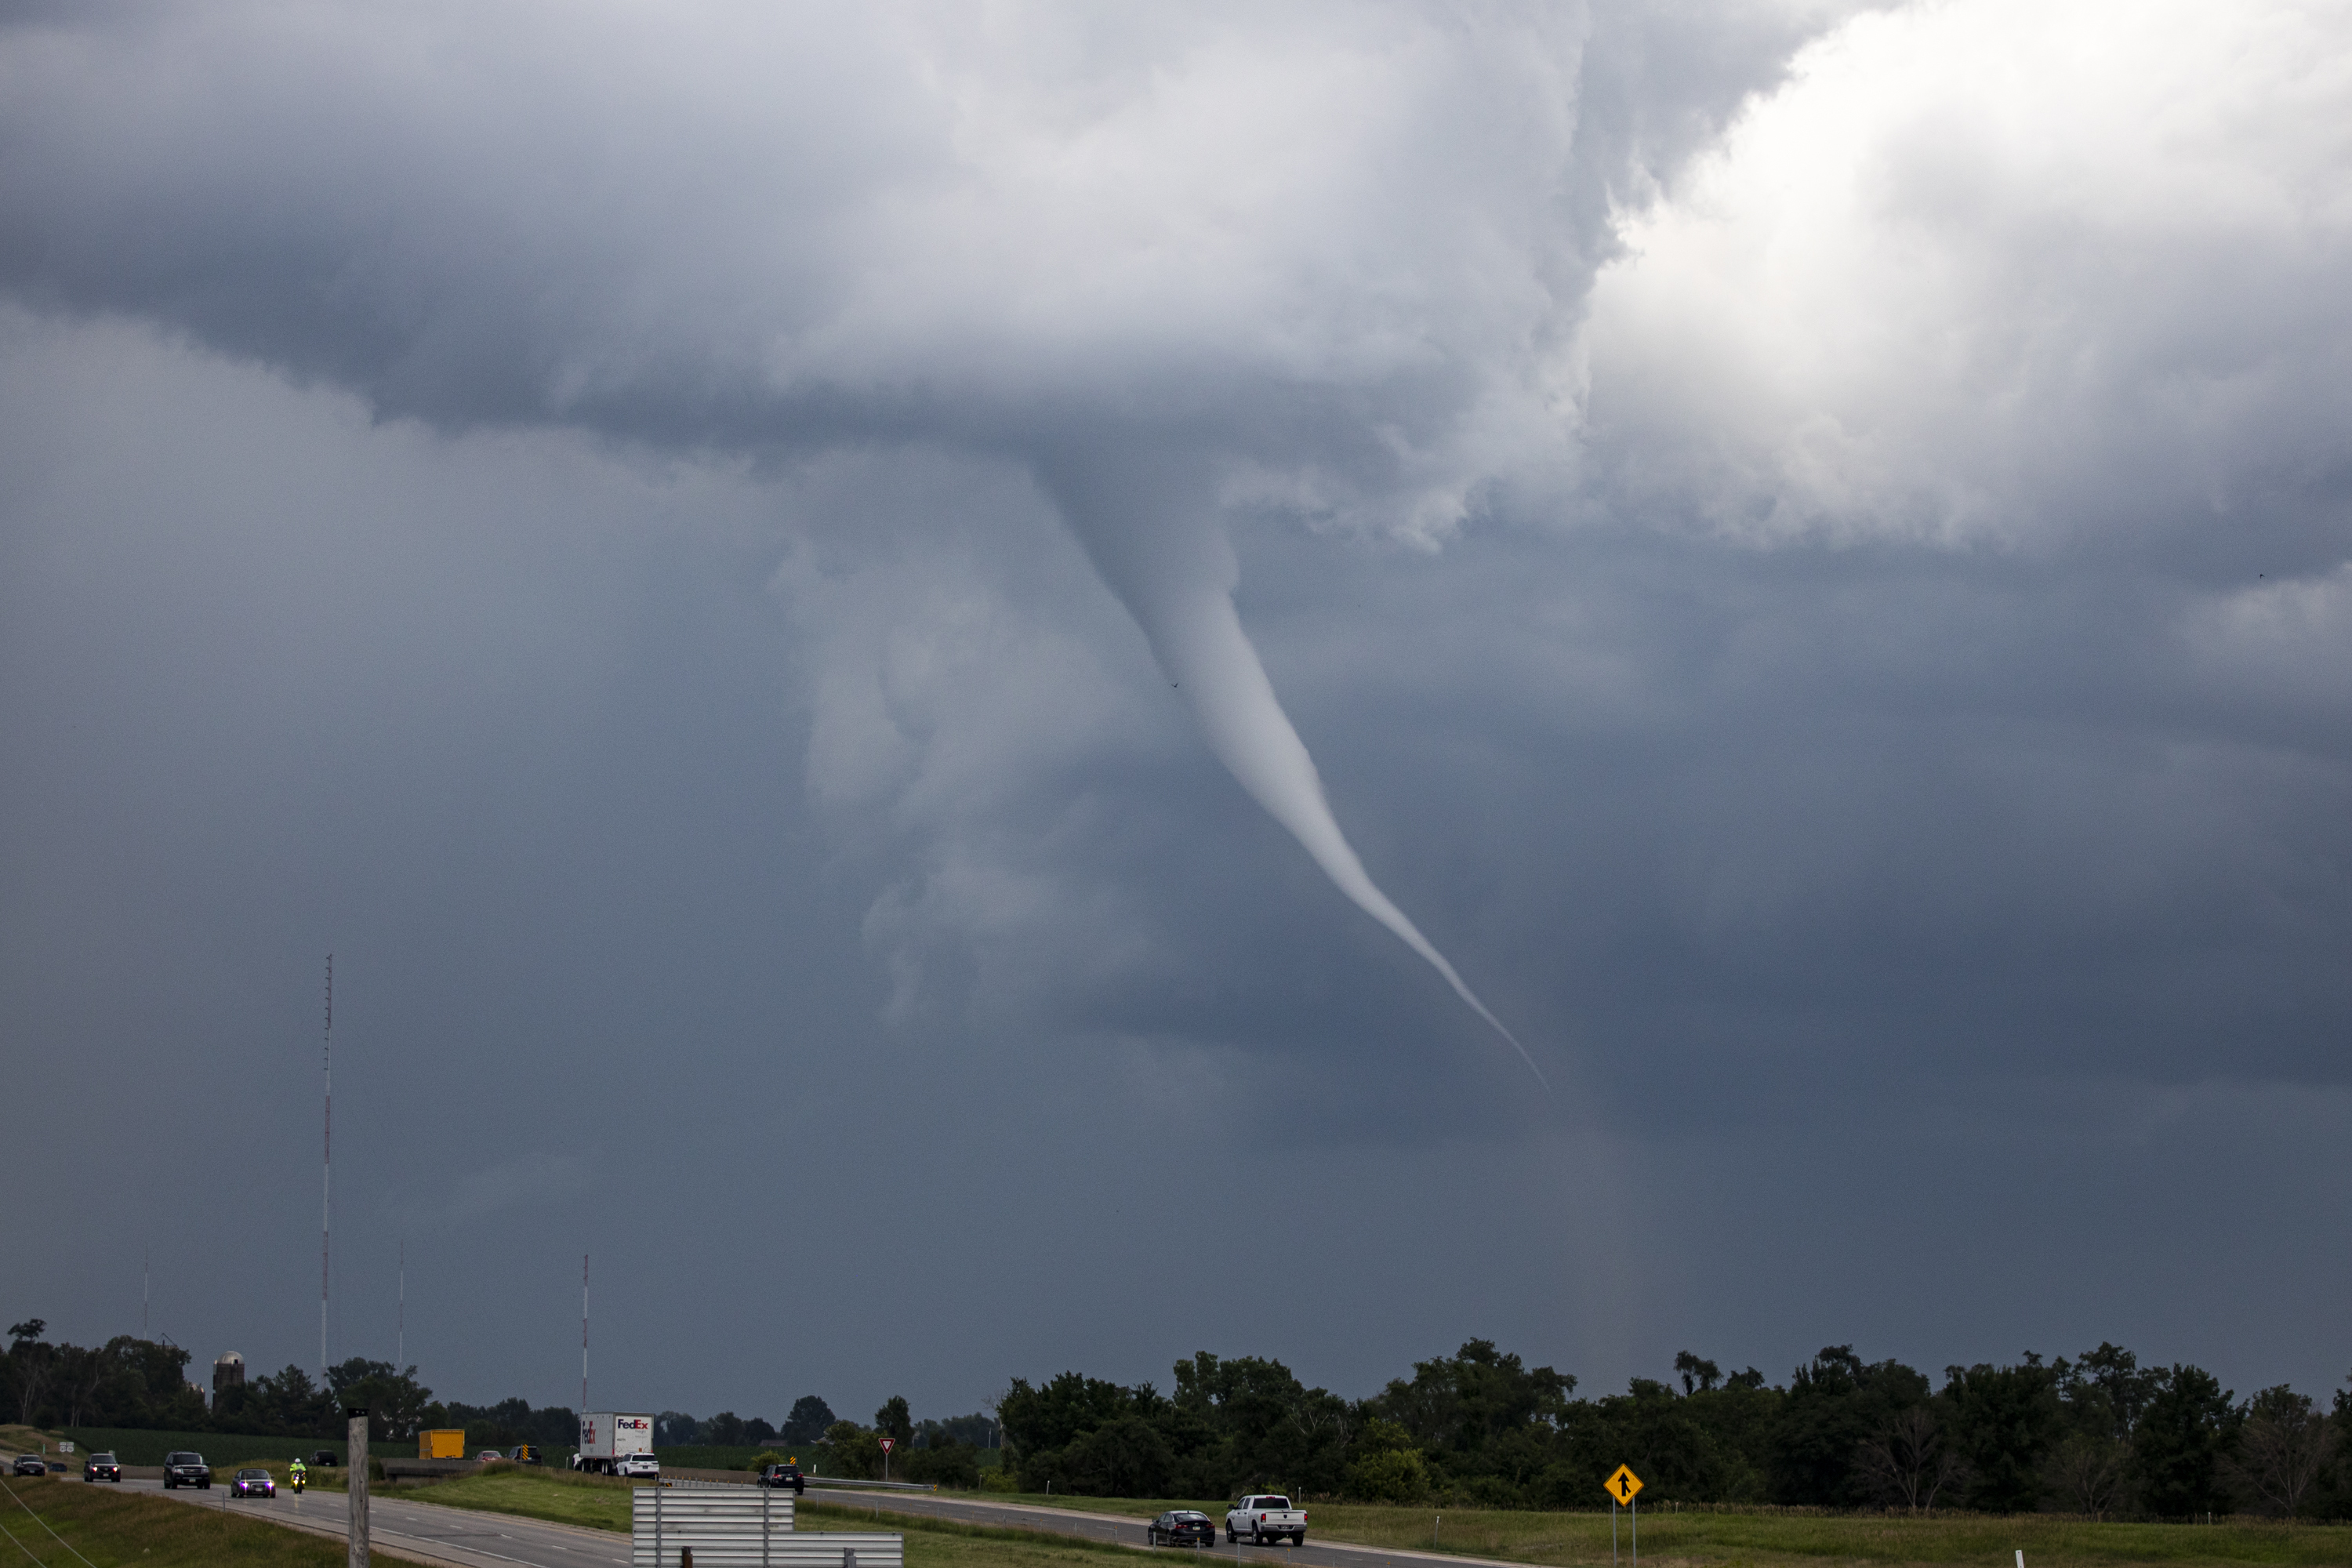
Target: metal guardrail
point(874, 1486)
point(738, 1527)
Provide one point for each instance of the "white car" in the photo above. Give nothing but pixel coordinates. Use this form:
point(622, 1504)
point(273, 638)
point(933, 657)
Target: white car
point(637, 1465)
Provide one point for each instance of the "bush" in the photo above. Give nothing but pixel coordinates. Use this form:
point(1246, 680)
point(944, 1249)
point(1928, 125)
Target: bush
point(763, 1458)
point(856, 1451)
point(1396, 1475)
point(943, 1464)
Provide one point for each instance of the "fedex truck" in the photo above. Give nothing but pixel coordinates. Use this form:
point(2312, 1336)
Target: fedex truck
point(605, 1439)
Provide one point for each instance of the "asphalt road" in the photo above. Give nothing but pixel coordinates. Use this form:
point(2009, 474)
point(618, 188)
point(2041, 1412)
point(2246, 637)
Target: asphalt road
point(468, 1538)
point(1127, 1531)
point(455, 1537)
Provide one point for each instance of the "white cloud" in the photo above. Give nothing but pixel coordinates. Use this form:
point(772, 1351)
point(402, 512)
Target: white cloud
point(1990, 272)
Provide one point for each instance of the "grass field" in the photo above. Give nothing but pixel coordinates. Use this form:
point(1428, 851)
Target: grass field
point(562, 1497)
point(1551, 1540)
point(112, 1529)
point(1671, 1540)
point(1781, 1540)
point(218, 1447)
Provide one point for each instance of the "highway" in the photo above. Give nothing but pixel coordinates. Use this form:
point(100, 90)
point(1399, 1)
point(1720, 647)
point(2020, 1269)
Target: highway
point(1127, 1530)
point(468, 1538)
point(447, 1537)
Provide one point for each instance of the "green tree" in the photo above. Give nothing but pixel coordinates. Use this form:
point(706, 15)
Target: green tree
point(1698, 1376)
point(1457, 1404)
point(394, 1400)
point(31, 1367)
point(2183, 1435)
point(2004, 1422)
point(1127, 1459)
point(944, 1462)
point(2282, 1449)
point(809, 1419)
point(1388, 1474)
point(856, 1451)
point(1831, 1408)
point(1649, 1427)
point(896, 1421)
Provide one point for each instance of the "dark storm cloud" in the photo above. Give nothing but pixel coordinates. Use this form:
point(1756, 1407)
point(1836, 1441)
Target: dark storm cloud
point(1829, 606)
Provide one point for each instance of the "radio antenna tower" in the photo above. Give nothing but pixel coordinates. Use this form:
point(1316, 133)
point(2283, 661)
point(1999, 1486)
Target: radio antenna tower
point(327, 1168)
point(584, 1333)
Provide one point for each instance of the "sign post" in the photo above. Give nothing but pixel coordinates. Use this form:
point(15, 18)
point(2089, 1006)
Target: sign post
point(888, 1444)
point(355, 1477)
point(1622, 1488)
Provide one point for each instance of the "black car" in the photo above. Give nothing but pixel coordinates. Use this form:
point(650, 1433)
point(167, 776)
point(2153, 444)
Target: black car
point(101, 1468)
point(31, 1465)
point(181, 1469)
point(324, 1460)
point(527, 1454)
point(784, 1475)
point(1180, 1527)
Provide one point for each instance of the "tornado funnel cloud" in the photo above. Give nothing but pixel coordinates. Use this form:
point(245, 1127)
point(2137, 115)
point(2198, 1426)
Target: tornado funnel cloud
point(1176, 573)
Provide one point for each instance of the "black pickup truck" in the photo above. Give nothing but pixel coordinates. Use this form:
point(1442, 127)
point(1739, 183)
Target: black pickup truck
point(181, 1469)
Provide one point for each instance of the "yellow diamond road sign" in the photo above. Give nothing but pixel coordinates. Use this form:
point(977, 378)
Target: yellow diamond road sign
point(1622, 1485)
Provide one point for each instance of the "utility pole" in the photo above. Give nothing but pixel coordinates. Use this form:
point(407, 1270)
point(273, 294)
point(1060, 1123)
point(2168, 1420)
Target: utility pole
point(355, 1477)
point(400, 1334)
point(327, 1170)
point(584, 1333)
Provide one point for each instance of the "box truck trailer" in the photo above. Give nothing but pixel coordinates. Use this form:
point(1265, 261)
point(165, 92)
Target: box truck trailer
point(441, 1443)
point(607, 1438)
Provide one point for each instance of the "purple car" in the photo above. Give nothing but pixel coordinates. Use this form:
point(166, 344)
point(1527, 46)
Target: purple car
point(253, 1483)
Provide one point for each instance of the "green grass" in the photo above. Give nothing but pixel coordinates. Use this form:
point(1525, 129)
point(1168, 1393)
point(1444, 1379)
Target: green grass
point(112, 1528)
point(560, 1497)
point(1678, 1540)
point(1782, 1538)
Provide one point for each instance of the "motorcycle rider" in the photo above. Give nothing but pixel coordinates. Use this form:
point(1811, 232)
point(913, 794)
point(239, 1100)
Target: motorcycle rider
point(295, 1475)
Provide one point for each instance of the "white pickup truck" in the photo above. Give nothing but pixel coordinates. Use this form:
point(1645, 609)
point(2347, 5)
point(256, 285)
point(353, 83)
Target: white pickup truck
point(1262, 1519)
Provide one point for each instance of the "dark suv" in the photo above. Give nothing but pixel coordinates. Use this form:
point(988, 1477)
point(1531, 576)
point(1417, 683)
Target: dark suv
point(101, 1468)
point(181, 1469)
point(783, 1475)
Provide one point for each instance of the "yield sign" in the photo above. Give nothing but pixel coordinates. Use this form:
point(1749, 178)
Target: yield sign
point(1622, 1485)
point(887, 1445)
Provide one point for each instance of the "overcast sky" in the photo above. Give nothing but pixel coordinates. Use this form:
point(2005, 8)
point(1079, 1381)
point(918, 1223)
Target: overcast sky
point(816, 604)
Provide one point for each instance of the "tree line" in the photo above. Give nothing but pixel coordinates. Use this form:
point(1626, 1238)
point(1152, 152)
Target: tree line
point(2099, 1435)
point(142, 1384)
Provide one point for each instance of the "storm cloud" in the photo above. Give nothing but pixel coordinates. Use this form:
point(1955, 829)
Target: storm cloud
point(745, 549)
